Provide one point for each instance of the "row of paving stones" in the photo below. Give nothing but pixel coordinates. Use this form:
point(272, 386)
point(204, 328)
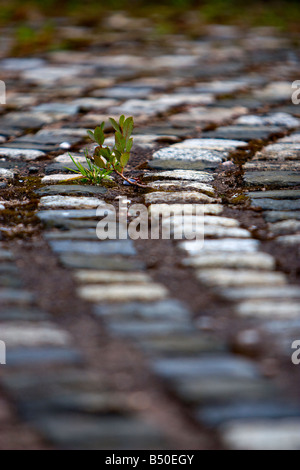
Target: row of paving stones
point(46, 376)
point(276, 167)
point(226, 392)
point(274, 172)
point(112, 259)
point(220, 386)
point(172, 185)
point(144, 86)
point(231, 262)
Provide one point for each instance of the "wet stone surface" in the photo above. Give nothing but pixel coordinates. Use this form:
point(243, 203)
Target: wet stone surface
point(152, 344)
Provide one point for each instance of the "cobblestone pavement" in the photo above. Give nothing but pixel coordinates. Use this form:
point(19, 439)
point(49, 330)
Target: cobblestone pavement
point(153, 344)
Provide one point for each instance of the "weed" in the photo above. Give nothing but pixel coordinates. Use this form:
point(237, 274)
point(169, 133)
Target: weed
point(105, 160)
point(92, 174)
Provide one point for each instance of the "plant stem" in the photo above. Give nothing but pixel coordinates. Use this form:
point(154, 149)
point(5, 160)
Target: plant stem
point(127, 179)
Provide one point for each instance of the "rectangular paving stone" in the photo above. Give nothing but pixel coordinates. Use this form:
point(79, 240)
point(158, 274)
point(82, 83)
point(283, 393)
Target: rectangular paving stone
point(68, 214)
point(186, 228)
point(141, 329)
point(281, 327)
point(223, 245)
point(272, 178)
point(213, 144)
point(276, 204)
point(25, 154)
point(10, 280)
point(120, 293)
point(289, 239)
point(107, 277)
point(69, 224)
point(163, 309)
point(274, 216)
point(178, 197)
point(269, 309)
point(56, 178)
point(206, 390)
point(262, 434)
point(211, 222)
point(69, 202)
point(282, 146)
point(262, 292)
point(104, 248)
point(273, 119)
point(76, 431)
point(216, 231)
point(216, 365)
point(178, 185)
point(73, 401)
point(21, 334)
point(202, 115)
point(25, 120)
point(292, 138)
point(187, 159)
point(6, 174)
point(219, 221)
point(75, 234)
point(230, 277)
point(20, 64)
point(51, 74)
point(5, 255)
point(232, 260)
point(166, 210)
point(44, 143)
point(180, 344)
point(16, 296)
point(22, 313)
point(189, 175)
point(215, 415)
point(70, 189)
point(57, 108)
point(106, 263)
point(285, 227)
point(247, 133)
point(271, 165)
point(282, 155)
point(276, 194)
point(27, 357)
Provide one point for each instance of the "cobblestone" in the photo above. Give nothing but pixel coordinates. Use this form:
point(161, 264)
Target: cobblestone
point(145, 344)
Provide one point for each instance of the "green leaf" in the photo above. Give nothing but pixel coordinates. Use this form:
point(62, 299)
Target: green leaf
point(124, 159)
point(115, 124)
point(91, 135)
point(100, 162)
point(117, 154)
point(129, 145)
point(121, 120)
point(120, 142)
point(99, 135)
point(73, 171)
point(128, 127)
point(118, 137)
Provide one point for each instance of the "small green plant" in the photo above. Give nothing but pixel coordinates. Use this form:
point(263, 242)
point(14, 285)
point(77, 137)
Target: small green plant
point(105, 160)
point(92, 174)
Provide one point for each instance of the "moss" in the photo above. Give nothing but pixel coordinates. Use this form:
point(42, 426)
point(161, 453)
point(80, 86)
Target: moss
point(18, 219)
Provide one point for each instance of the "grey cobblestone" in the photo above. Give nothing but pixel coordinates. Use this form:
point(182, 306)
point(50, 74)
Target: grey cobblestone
point(211, 114)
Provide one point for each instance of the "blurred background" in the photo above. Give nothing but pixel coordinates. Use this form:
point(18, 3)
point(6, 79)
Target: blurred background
point(32, 26)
